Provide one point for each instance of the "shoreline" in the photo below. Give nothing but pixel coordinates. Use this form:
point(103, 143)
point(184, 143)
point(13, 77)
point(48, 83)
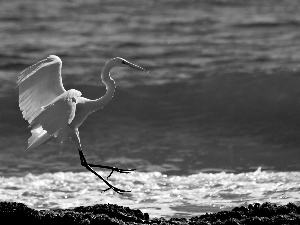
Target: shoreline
point(266, 213)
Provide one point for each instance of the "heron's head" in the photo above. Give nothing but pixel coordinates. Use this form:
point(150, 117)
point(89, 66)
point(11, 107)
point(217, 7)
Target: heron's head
point(124, 63)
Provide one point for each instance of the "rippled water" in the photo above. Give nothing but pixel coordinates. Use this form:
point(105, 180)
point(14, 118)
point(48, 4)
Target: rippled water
point(222, 96)
point(153, 192)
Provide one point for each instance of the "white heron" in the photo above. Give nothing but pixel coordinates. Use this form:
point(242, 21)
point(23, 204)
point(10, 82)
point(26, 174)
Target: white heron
point(54, 113)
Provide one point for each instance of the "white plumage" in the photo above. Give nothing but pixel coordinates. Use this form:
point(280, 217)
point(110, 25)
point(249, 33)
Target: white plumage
point(54, 113)
point(44, 102)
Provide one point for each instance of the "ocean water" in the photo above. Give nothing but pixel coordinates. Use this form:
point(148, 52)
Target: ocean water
point(213, 126)
point(153, 192)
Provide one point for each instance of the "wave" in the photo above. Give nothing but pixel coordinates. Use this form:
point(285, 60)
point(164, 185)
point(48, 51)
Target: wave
point(268, 24)
point(258, 103)
point(154, 193)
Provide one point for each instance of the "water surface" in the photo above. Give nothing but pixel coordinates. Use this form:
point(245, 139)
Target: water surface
point(221, 101)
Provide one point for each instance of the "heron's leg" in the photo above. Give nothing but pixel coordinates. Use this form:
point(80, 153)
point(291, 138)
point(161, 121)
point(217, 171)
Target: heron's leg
point(82, 158)
point(88, 167)
point(77, 141)
point(112, 169)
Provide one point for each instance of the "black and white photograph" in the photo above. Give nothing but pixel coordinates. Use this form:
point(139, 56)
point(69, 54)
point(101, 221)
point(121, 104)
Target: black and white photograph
point(150, 112)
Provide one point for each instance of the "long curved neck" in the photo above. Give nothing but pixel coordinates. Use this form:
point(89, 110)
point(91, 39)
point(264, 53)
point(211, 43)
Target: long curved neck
point(110, 89)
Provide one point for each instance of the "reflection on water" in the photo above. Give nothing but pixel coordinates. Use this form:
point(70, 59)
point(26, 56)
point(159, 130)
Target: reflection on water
point(154, 193)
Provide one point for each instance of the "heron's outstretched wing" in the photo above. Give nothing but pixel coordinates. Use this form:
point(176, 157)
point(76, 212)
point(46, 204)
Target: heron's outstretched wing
point(39, 85)
point(53, 118)
point(57, 114)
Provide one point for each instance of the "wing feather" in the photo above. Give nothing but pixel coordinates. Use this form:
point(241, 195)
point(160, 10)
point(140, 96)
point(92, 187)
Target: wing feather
point(38, 137)
point(39, 85)
point(59, 113)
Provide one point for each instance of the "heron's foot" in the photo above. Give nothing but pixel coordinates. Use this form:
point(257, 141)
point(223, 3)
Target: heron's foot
point(115, 189)
point(119, 171)
point(112, 169)
point(110, 186)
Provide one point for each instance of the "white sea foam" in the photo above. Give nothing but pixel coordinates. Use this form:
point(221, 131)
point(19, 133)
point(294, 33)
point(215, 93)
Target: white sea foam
point(154, 193)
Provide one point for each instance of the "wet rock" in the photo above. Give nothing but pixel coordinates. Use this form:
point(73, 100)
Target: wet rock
point(266, 213)
point(122, 213)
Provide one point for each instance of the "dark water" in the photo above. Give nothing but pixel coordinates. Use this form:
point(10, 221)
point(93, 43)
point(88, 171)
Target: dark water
point(223, 95)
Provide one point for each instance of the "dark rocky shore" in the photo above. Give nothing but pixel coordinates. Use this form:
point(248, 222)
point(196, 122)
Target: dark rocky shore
point(267, 213)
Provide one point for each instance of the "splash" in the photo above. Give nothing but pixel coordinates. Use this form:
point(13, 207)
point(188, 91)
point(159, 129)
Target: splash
point(154, 193)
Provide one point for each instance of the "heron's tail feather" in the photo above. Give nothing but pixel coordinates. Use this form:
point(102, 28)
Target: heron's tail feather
point(38, 137)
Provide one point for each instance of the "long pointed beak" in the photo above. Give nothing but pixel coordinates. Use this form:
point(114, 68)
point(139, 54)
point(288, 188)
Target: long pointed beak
point(135, 66)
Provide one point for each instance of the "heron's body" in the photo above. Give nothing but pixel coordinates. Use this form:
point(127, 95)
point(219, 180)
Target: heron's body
point(54, 113)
